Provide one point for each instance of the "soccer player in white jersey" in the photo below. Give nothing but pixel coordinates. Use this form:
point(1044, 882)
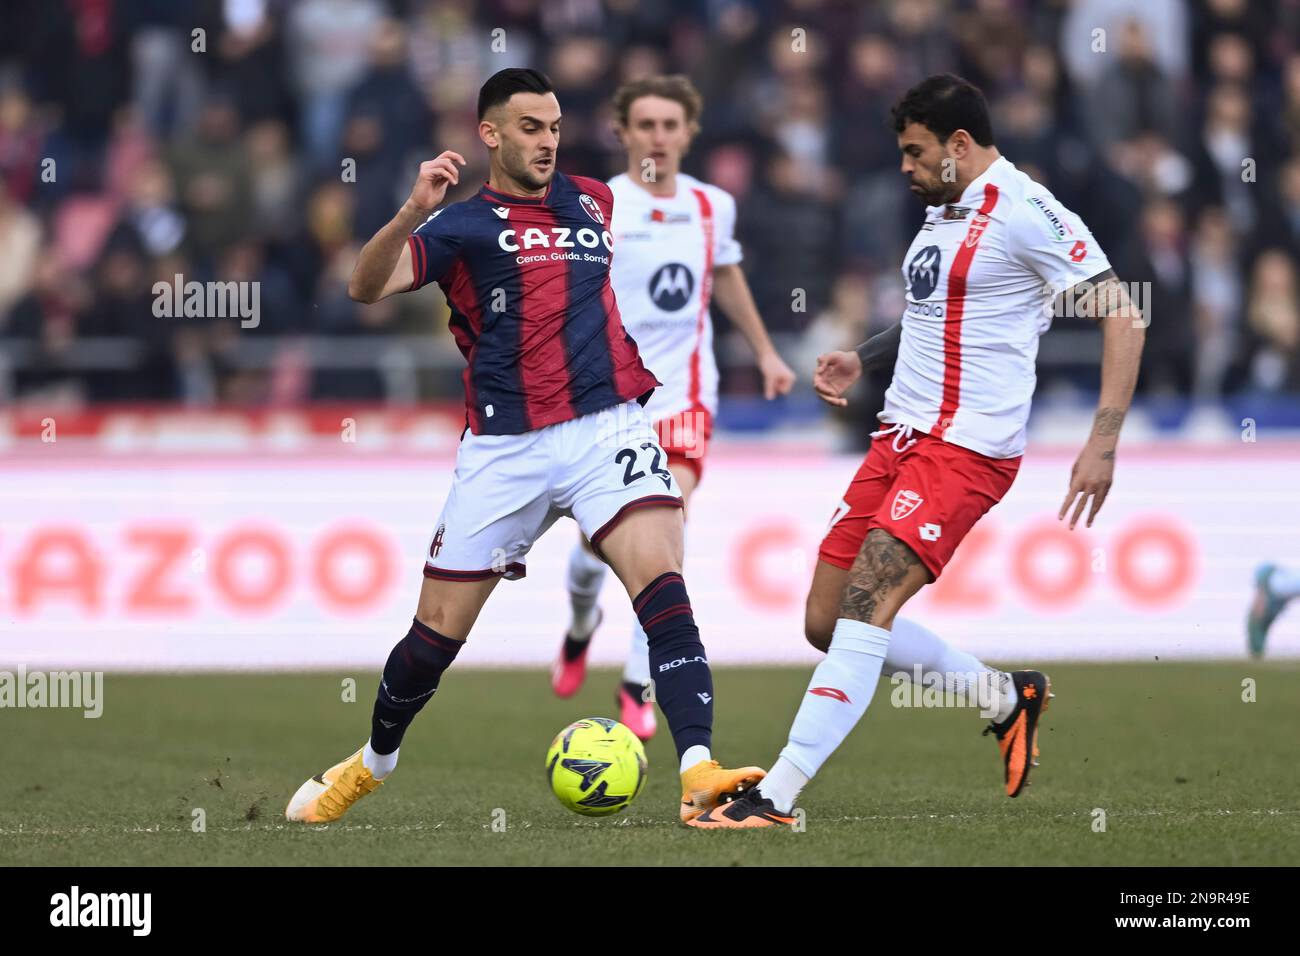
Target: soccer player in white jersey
point(994, 255)
point(674, 252)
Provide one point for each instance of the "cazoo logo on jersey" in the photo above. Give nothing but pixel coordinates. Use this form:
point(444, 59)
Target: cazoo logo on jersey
point(557, 237)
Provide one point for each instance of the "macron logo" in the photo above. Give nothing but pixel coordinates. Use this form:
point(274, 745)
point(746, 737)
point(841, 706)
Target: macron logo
point(102, 909)
point(501, 211)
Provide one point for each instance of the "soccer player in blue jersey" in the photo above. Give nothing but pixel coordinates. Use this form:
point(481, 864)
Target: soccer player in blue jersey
point(554, 389)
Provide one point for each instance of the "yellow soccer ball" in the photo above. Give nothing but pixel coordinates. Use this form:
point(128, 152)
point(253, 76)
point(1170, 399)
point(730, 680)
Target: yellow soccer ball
point(596, 766)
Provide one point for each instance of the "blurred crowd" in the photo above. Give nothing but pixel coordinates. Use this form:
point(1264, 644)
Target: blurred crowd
point(265, 140)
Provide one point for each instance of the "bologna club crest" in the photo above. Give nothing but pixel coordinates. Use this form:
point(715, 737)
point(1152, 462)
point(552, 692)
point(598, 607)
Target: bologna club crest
point(591, 208)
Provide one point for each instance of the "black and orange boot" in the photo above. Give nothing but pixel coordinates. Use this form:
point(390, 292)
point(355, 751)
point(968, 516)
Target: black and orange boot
point(751, 810)
point(1018, 734)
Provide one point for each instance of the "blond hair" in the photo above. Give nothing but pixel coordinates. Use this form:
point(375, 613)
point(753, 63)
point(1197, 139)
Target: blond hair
point(676, 87)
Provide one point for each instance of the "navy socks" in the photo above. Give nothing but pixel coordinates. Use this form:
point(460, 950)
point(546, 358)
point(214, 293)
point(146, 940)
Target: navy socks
point(683, 684)
point(410, 678)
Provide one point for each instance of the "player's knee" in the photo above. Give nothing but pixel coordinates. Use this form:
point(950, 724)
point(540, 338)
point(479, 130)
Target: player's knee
point(418, 659)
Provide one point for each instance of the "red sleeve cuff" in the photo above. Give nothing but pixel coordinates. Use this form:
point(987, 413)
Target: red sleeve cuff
point(417, 261)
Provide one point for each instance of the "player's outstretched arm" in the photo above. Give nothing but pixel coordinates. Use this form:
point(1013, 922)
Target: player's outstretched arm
point(836, 371)
point(731, 292)
point(384, 265)
point(1123, 330)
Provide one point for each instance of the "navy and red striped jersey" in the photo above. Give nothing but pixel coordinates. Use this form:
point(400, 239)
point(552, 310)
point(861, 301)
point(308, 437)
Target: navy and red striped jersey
point(532, 308)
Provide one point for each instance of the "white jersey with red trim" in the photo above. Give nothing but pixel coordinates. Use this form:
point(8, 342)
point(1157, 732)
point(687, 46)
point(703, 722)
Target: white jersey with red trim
point(665, 251)
point(981, 277)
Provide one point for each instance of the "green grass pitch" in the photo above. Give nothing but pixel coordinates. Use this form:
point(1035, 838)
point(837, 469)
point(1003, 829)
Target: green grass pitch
point(1185, 771)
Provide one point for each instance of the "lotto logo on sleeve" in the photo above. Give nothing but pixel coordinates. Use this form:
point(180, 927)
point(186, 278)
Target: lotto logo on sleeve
point(905, 502)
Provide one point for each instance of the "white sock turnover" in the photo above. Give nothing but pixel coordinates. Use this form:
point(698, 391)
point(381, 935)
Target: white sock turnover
point(694, 755)
point(379, 765)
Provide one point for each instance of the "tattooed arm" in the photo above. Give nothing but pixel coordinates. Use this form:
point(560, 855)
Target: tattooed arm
point(1105, 299)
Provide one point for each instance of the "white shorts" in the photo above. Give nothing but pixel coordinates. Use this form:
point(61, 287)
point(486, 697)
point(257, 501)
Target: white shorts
point(509, 489)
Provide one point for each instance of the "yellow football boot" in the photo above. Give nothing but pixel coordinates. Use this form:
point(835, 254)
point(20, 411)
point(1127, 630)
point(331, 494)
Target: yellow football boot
point(705, 784)
point(326, 797)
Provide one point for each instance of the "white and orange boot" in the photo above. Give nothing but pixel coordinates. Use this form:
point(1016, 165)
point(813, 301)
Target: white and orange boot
point(325, 797)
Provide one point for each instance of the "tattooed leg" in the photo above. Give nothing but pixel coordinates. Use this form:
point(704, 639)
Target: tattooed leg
point(884, 575)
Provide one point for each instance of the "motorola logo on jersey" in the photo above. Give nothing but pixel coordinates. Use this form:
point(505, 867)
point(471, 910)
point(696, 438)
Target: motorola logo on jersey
point(923, 272)
point(671, 286)
point(557, 237)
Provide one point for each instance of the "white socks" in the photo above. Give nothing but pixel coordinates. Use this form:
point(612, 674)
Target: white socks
point(913, 645)
point(841, 687)
point(586, 578)
point(379, 765)
point(637, 668)
point(783, 784)
point(694, 755)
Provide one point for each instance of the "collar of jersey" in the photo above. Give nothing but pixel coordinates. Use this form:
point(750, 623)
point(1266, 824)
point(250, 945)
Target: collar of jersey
point(510, 199)
point(651, 196)
point(973, 195)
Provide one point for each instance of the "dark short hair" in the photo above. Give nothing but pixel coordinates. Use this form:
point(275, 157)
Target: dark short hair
point(504, 84)
point(943, 104)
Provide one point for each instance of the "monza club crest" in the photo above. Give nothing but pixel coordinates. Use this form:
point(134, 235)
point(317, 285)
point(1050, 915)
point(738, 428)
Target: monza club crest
point(905, 502)
point(977, 227)
point(591, 208)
